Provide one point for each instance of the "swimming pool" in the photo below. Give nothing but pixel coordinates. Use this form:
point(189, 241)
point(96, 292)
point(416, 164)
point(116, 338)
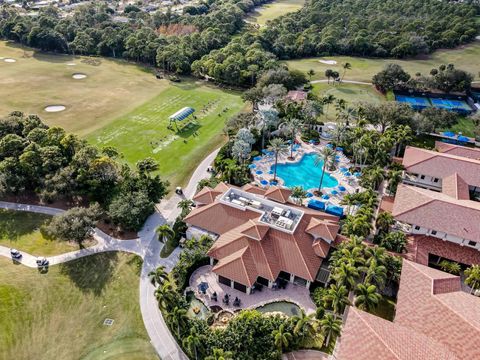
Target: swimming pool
point(286, 307)
point(304, 173)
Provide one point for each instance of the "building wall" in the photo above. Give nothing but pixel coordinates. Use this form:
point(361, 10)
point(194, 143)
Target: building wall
point(425, 245)
point(195, 232)
point(427, 182)
point(418, 230)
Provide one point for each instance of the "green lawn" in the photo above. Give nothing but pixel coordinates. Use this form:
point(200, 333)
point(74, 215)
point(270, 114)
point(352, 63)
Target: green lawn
point(59, 315)
point(465, 126)
point(363, 69)
point(273, 10)
point(21, 230)
point(143, 132)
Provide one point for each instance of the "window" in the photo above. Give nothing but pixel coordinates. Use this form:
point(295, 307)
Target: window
point(422, 177)
point(435, 180)
point(434, 232)
point(472, 243)
point(417, 227)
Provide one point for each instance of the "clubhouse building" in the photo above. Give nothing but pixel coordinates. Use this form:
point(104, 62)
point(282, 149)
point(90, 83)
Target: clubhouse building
point(438, 203)
point(261, 236)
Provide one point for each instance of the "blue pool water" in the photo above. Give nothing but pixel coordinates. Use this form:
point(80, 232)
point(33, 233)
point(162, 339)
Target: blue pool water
point(304, 173)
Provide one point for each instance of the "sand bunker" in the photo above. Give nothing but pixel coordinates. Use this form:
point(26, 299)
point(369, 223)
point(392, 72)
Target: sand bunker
point(71, 64)
point(79, 76)
point(54, 108)
point(8, 60)
point(328, 62)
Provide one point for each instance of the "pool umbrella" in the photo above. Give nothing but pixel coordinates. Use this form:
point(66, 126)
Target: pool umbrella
point(357, 174)
point(334, 192)
point(259, 172)
point(330, 146)
point(341, 188)
point(264, 182)
point(339, 148)
point(202, 287)
point(264, 151)
point(252, 166)
point(273, 182)
point(257, 158)
point(309, 195)
point(312, 141)
point(343, 169)
point(325, 197)
point(270, 172)
point(347, 174)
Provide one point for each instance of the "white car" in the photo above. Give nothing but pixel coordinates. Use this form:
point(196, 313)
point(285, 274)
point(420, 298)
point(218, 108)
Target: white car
point(15, 254)
point(42, 262)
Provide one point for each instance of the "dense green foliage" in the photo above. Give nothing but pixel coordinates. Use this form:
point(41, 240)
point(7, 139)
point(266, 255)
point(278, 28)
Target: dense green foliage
point(55, 165)
point(371, 27)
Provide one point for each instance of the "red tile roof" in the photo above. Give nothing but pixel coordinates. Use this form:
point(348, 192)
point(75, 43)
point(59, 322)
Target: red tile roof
point(463, 151)
point(239, 267)
point(205, 196)
point(437, 211)
point(455, 187)
point(368, 337)
point(278, 194)
point(429, 302)
point(441, 165)
point(253, 189)
point(322, 229)
point(296, 95)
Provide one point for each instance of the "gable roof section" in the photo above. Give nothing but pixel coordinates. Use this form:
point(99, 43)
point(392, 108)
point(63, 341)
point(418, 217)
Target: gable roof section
point(455, 187)
point(382, 339)
point(255, 230)
point(205, 196)
point(437, 211)
point(322, 229)
point(430, 302)
point(253, 189)
point(441, 165)
point(458, 150)
point(321, 248)
point(239, 267)
point(278, 194)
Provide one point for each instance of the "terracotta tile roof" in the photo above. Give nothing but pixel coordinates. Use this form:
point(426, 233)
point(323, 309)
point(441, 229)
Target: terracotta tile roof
point(437, 211)
point(386, 204)
point(296, 95)
point(205, 196)
point(321, 248)
point(441, 165)
point(429, 303)
point(239, 267)
point(367, 337)
point(463, 151)
point(222, 187)
point(278, 194)
point(253, 189)
point(455, 187)
point(256, 230)
point(322, 229)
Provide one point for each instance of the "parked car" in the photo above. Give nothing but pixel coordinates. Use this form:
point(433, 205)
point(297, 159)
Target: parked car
point(15, 254)
point(42, 262)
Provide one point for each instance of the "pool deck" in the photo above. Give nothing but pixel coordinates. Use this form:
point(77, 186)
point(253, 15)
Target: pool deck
point(296, 294)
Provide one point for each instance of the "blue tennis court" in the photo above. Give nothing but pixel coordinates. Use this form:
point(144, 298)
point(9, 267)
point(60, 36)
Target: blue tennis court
point(414, 101)
point(450, 104)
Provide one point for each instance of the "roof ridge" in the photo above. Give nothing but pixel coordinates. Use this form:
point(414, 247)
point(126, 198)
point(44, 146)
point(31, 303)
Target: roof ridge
point(459, 314)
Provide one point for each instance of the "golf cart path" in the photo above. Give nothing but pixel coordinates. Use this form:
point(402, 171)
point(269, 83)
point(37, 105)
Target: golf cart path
point(343, 81)
point(146, 246)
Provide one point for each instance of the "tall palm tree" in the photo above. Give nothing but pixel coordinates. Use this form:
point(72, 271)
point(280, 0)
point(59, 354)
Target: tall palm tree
point(327, 100)
point(279, 147)
point(376, 274)
point(346, 66)
point(472, 277)
point(186, 206)
point(304, 325)
point(384, 221)
point(192, 343)
point(310, 73)
point(336, 298)
point(165, 233)
point(282, 338)
point(346, 274)
point(158, 276)
point(328, 74)
point(165, 296)
point(326, 158)
point(394, 178)
point(366, 297)
point(299, 194)
point(331, 326)
point(220, 354)
point(292, 126)
point(177, 318)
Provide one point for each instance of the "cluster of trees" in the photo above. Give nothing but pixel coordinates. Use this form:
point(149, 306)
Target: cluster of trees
point(445, 78)
point(53, 165)
point(371, 27)
point(391, 240)
point(92, 30)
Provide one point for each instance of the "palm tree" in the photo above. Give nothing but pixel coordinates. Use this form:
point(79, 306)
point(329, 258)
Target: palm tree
point(186, 206)
point(177, 318)
point(192, 343)
point(292, 126)
point(282, 338)
point(394, 178)
point(304, 324)
point(472, 277)
point(220, 354)
point(366, 297)
point(158, 276)
point(336, 298)
point(451, 267)
point(278, 146)
point(327, 100)
point(331, 326)
point(165, 233)
point(299, 194)
point(326, 157)
point(346, 274)
point(328, 74)
point(376, 176)
point(310, 73)
point(376, 274)
point(165, 296)
point(346, 66)
point(384, 221)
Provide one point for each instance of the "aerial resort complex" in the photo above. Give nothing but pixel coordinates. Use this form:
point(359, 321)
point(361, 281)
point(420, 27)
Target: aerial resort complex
point(240, 180)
